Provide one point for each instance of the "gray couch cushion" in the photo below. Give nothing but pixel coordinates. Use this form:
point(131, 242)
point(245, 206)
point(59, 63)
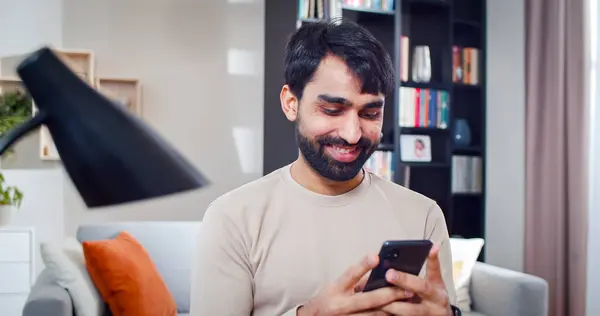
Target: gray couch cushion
point(171, 246)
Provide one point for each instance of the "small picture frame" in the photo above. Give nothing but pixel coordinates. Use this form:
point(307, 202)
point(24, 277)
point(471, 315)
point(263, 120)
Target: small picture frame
point(415, 148)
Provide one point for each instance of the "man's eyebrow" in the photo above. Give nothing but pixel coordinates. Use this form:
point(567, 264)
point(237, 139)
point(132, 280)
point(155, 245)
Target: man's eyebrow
point(335, 100)
point(373, 105)
point(343, 101)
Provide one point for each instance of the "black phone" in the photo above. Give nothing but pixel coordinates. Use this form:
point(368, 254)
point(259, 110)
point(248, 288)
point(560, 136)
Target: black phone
point(407, 256)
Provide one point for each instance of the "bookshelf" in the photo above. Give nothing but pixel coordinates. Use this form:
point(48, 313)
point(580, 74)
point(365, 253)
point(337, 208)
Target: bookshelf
point(454, 33)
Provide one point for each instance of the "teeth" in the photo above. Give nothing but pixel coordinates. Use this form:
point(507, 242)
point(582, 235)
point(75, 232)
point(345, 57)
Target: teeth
point(342, 150)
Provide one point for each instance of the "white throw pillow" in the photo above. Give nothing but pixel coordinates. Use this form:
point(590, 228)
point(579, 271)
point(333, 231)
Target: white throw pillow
point(66, 262)
point(464, 256)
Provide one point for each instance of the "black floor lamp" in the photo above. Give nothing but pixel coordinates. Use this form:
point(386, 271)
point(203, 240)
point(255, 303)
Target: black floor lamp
point(111, 155)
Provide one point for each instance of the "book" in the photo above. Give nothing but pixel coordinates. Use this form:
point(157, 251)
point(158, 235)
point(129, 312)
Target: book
point(466, 174)
point(382, 164)
point(465, 65)
point(423, 108)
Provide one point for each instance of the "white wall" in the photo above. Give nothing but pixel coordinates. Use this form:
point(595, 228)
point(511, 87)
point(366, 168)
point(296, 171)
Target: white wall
point(201, 64)
point(505, 170)
point(27, 24)
point(24, 26)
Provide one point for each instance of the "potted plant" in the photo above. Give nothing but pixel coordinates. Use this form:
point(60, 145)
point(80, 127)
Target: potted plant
point(15, 108)
point(10, 200)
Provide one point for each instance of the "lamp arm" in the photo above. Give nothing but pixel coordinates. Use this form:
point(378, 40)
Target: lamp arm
point(16, 133)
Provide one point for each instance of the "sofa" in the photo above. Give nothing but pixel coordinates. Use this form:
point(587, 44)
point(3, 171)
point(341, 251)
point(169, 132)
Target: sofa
point(169, 244)
point(494, 291)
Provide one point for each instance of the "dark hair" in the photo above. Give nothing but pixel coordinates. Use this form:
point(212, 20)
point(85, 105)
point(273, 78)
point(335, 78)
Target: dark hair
point(363, 53)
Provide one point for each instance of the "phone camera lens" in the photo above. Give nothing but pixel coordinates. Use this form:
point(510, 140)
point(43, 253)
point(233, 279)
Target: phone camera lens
point(392, 255)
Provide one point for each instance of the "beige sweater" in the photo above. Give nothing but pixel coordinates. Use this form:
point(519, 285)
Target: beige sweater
point(270, 245)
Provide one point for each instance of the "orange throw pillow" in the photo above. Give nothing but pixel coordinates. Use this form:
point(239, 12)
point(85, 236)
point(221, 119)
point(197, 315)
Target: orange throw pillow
point(127, 278)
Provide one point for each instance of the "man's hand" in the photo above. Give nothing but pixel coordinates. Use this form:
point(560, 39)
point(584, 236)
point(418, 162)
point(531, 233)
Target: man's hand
point(344, 297)
point(430, 292)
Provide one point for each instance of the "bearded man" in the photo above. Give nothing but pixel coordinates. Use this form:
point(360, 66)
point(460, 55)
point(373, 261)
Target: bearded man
point(302, 239)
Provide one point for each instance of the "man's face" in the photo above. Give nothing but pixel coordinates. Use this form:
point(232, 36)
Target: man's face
point(337, 126)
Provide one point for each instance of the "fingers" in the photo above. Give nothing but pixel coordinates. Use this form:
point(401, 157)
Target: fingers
point(372, 313)
point(360, 286)
point(434, 272)
point(353, 275)
point(365, 301)
point(427, 290)
point(410, 309)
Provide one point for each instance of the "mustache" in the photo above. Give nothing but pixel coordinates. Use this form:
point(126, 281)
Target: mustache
point(332, 141)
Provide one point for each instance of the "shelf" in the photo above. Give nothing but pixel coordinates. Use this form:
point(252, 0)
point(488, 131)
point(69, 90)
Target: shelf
point(426, 85)
point(467, 23)
point(125, 91)
point(467, 194)
point(10, 84)
point(367, 10)
point(425, 164)
point(423, 130)
point(441, 3)
point(467, 150)
point(81, 62)
point(465, 86)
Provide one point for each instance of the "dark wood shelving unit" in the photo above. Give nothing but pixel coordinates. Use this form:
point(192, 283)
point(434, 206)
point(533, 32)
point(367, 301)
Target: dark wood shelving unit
point(441, 25)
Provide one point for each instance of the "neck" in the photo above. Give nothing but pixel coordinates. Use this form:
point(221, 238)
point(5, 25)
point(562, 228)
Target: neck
point(307, 177)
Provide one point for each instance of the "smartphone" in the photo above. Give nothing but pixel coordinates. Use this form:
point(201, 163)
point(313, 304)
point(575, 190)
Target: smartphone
point(407, 256)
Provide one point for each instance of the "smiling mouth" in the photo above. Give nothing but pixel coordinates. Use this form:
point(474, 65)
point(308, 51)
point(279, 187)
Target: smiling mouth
point(343, 153)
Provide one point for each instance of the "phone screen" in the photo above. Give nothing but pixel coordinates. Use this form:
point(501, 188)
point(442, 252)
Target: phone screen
point(407, 256)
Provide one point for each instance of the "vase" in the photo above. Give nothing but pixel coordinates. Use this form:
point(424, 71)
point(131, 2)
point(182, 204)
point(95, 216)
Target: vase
point(462, 133)
point(421, 71)
point(6, 214)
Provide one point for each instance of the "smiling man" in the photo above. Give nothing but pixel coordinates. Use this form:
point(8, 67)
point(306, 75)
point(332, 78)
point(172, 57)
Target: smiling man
point(300, 240)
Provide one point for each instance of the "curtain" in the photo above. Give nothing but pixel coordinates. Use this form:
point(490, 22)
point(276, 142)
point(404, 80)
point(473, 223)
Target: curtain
point(556, 144)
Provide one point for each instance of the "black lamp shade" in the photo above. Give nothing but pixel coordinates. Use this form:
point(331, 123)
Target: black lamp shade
point(111, 155)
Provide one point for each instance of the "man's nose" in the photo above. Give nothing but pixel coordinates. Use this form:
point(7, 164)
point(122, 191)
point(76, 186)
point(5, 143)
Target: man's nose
point(351, 131)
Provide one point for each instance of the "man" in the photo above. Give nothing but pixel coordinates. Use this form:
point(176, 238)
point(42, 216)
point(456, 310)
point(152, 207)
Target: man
point(297, 241)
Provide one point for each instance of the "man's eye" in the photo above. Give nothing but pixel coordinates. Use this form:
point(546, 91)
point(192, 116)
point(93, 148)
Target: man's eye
point(331, 111)
point(371, 115)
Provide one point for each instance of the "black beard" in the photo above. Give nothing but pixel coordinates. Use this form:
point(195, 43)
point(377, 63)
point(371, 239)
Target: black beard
point(314, 154)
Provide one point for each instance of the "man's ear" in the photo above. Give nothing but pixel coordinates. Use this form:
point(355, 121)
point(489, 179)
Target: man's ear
point(289, 103)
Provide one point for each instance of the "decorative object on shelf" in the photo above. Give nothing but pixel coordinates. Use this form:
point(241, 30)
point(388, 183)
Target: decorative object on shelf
point(10, 200)
point(15, 108)
point(462, 133)
point(124, 91)
point(421, 71)
point(415, 148)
